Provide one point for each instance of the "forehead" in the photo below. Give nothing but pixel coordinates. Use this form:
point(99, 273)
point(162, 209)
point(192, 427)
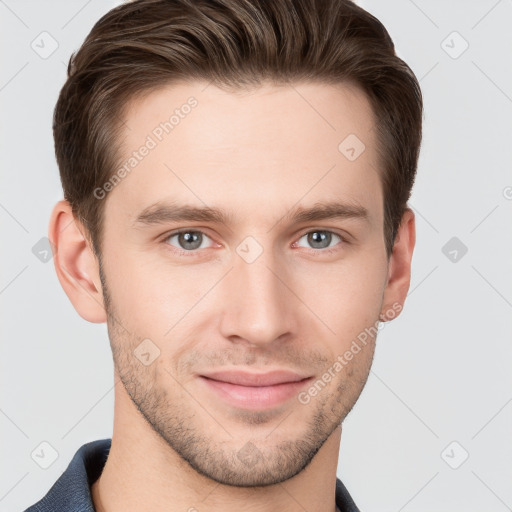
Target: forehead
point(286, 144)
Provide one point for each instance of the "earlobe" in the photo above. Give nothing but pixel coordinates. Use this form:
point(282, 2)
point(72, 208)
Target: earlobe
point(399, 270)
point(76, 264)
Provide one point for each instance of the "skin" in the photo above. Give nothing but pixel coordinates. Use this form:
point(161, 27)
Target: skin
point(258, 154)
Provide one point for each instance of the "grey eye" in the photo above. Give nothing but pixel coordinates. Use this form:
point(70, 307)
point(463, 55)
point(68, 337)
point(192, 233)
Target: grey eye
point(320, 239)
point(189, 240)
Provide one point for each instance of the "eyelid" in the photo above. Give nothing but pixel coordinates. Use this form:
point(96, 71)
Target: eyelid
point(343, 235)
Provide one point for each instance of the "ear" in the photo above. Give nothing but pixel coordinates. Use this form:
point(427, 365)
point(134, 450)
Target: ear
point(399, 268)
point(76, 264)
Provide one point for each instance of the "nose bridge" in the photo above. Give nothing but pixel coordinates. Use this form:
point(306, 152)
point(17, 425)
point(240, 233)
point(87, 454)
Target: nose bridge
point(256, 302)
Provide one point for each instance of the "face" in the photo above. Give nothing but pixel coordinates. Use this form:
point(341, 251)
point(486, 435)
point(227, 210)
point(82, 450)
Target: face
point(234, 307)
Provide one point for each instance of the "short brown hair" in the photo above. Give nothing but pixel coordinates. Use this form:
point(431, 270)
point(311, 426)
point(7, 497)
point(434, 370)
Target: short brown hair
point(142, 45)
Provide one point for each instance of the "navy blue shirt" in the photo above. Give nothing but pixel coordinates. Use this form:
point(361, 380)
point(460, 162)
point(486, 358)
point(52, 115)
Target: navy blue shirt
point(72, 491)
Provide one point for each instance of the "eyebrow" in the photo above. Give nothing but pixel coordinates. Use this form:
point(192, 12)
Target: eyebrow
point(164, 212)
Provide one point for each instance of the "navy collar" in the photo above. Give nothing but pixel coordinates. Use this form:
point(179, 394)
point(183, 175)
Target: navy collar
point(72, 491)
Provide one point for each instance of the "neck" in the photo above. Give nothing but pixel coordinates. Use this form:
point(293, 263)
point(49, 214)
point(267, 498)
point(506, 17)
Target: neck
point(143, 472)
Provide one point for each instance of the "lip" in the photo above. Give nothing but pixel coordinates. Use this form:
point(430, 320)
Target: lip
point(254, 390)
point(256, 379)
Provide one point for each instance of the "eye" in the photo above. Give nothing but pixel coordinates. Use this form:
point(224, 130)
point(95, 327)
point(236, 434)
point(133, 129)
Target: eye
point(321, 239)
point(188, 240)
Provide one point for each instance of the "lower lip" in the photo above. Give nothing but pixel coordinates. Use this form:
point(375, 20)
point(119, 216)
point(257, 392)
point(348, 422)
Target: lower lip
point(252, 397)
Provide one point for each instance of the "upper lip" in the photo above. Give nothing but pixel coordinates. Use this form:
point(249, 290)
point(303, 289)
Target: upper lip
point(256, 379)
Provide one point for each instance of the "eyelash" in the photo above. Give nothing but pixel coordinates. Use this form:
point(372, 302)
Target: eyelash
point(195, 252)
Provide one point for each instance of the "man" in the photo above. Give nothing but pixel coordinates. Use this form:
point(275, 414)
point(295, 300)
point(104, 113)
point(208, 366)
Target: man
point(236, 176)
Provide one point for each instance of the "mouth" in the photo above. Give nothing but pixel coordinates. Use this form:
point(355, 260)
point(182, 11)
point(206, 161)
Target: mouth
point(255, 391)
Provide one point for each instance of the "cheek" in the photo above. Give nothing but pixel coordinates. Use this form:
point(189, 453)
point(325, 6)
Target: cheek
point(145, 296)
point(159, 299)
point(347, 295)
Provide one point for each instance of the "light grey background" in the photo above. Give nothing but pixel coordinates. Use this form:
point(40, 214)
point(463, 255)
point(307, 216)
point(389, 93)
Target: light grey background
point(442, 369)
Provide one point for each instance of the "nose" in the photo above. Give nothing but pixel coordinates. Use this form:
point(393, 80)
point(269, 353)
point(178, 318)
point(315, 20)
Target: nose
point(257, 302)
